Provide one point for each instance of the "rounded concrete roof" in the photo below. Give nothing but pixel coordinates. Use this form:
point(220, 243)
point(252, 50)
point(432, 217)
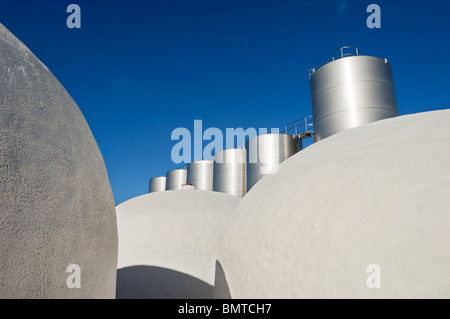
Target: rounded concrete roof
point(168, 243)
point(57, 208)
point(372, 195)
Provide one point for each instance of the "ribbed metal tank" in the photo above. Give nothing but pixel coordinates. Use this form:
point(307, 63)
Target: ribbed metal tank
point(200, 174)
point(266, 152)
point(157, 184)
point(350, 91)
point(230, 174)
point(175, 179)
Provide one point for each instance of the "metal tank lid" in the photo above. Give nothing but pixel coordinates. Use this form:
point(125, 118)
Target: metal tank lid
point(202, 161)
point(230, 150)
point(231, 155)
point(341, 54)
point(257, 137)
point(178, 169)
point(156, 177)
point(269, 134)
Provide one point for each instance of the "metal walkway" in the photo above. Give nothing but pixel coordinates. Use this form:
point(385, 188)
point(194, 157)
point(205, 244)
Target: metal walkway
point(302, 128)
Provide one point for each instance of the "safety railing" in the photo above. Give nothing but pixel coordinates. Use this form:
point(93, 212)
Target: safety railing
point(354, 52)
point(302, 127)
point(344, 54)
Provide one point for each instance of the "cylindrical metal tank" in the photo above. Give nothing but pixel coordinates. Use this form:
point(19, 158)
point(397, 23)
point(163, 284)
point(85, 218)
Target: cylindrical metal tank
point(266, 152)
point(230, 174)
point(157, 184)
point(351, 91)
point(175, 179)
point(200, 174)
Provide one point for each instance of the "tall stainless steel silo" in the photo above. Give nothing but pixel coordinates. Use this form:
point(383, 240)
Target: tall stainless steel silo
point(157, 184)
point(200, 174)
point(175, 179)
point(230, 174)
point(350, 91)
point(266, 152)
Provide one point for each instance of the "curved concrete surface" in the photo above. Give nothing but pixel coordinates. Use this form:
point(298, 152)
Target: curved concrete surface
point(177, 231)
point(56, 204)
point(372, 195)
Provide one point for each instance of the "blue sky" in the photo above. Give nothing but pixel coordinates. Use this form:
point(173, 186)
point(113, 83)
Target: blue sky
point(139, 69)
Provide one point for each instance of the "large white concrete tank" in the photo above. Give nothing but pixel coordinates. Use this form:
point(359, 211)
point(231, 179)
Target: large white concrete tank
point(168, 243)
point(157, 184)
point(175, 179)
point(362, 209)
point(56, 205)
point(230, 171)
point(350, 91)
point(266, 152)
point(200, 174)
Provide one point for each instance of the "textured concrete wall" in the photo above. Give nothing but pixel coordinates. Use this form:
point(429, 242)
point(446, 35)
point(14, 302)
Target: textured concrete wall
point(56, 204)
point(376, 194)
point(168, 243)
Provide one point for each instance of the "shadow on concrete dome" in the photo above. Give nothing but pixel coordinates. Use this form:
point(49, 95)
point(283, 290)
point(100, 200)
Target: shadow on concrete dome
point(169, 240)
point(150, 282)
point(372, 195)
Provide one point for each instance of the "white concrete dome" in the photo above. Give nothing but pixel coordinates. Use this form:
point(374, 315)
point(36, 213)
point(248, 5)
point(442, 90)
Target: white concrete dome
point(376, 194)
point(56, 204)
point(168, 243)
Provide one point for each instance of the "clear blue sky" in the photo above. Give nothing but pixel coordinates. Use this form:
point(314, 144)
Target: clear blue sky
point(139, 69)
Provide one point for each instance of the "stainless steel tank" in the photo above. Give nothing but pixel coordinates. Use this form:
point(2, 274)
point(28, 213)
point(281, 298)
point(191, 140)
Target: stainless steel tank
point(266, 152)
point(157, 184)
point(200, 174)
point(175, 179)
point(350, 91)
point(230, 174)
